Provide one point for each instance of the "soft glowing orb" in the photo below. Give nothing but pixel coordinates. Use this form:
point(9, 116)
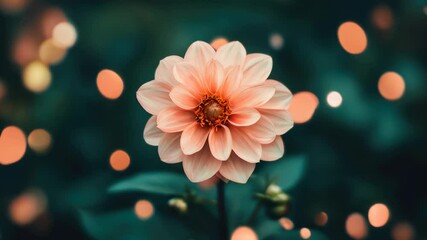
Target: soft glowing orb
point(3, 90)
point(49, 19)
point(276, 41)
point(110, 84)
point(218, 42)
point(334, 99)
point(50, 53)
point(305, 233)
point(37, 77)
point(39, 140)
point(391, 86)
point(144, 209)
point(12, 145)
point(286, 223)
point(27, 207)
point(244, 233)
point(64, 35)
point(13, 6)
point(119, 160)
point(378, 215)
point(25, 49)
point(302, 106)
point(352, 37)
point(403, 231)
point(382, 17)
point(356, 226)
point(321, 219)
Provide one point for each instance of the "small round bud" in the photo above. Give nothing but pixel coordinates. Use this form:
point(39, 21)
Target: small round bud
point(281, 198)
point(178, 204)
point(273, 189)
point(277, 211)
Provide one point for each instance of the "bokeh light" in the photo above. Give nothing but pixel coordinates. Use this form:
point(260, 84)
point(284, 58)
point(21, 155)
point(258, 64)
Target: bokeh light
point(352, 37)
point(64, 35)
point(276, 41)
point(334, 99)
point(144, 209)
point(218, 42)
point(403, 231)
point(391, 86)
point(12, 145)
point(425, 10)
point(39, 140)
point(3, 90)
point(51, 53)
point(305, 233)
point(25, 208)
point(110, 84)
point(321, 219)
point(51, 17)
point(302, 106)
point(37, 77)
point(378, 215)
point(382, 17)
point(356, 226)
point(25, 49)
point(286, 223)
point(119, 160)
point(244, 233)
point(13, 6)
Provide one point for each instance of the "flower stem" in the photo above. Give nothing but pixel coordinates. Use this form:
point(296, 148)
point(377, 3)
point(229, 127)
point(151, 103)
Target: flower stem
point(223, 225)
point(254, 213)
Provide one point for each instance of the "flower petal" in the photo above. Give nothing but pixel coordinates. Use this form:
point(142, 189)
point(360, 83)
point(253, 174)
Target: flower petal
point(232, 53)
point(256, 69)
point(201, 165)
point(214, 76)
point(236, 169)
point(244, 116)
point(184, 98)
point(262, 131)
point(174, 119)
point(244, 146)
point(152, 134)
point(169, 149)
point(193, 138)
point(220, 142)
point(252, 97)
point(188, 75)
point(154, 96)
point(199, 53)
point(273, 150)
point(233, 77)
point(281, 98)
point(164, 71)
point(281, 119)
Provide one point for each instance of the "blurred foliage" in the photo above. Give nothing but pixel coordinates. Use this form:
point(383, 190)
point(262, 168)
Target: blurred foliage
point(366, 151)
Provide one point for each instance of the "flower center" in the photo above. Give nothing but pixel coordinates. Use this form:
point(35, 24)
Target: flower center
point(212, 111)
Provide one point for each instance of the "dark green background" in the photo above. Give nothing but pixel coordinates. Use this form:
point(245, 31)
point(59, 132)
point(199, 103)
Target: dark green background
point(368, 150)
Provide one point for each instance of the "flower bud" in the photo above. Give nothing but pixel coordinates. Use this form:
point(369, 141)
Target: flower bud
point(273, 190)
point(178, 204)
point(281, 198)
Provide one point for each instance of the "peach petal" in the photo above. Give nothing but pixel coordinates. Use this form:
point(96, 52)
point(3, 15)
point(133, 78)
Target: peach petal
point(152, 134)
point(184, 98)
point(220, 142)
point(188, 75)
point(281, 98)
point(199, 54)
point(201, 165)
point(236, 169)
point(262, 131)
point(252, 97)
point(232, 53)
point(193, 138)
point(154, 96)
point(274, 150)
point(244, 146)
point(281, 119)
point(232, 79)
point(164, 71)
point(256, 69)
point(244, 116)
point(214, 76)
point(174, 119)
point(169, 150)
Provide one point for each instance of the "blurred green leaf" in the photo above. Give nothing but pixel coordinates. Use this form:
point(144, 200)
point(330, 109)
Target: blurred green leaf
point(154, 182)
point(286, 172)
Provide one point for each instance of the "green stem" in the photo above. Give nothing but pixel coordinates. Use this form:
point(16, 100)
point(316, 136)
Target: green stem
point(223, 226)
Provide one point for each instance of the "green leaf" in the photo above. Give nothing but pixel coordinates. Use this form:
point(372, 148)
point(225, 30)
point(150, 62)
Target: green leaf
point(154, 182)
point(286, 172)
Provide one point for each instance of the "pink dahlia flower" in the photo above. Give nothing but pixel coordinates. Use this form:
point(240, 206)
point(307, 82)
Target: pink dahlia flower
point(216, 112)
